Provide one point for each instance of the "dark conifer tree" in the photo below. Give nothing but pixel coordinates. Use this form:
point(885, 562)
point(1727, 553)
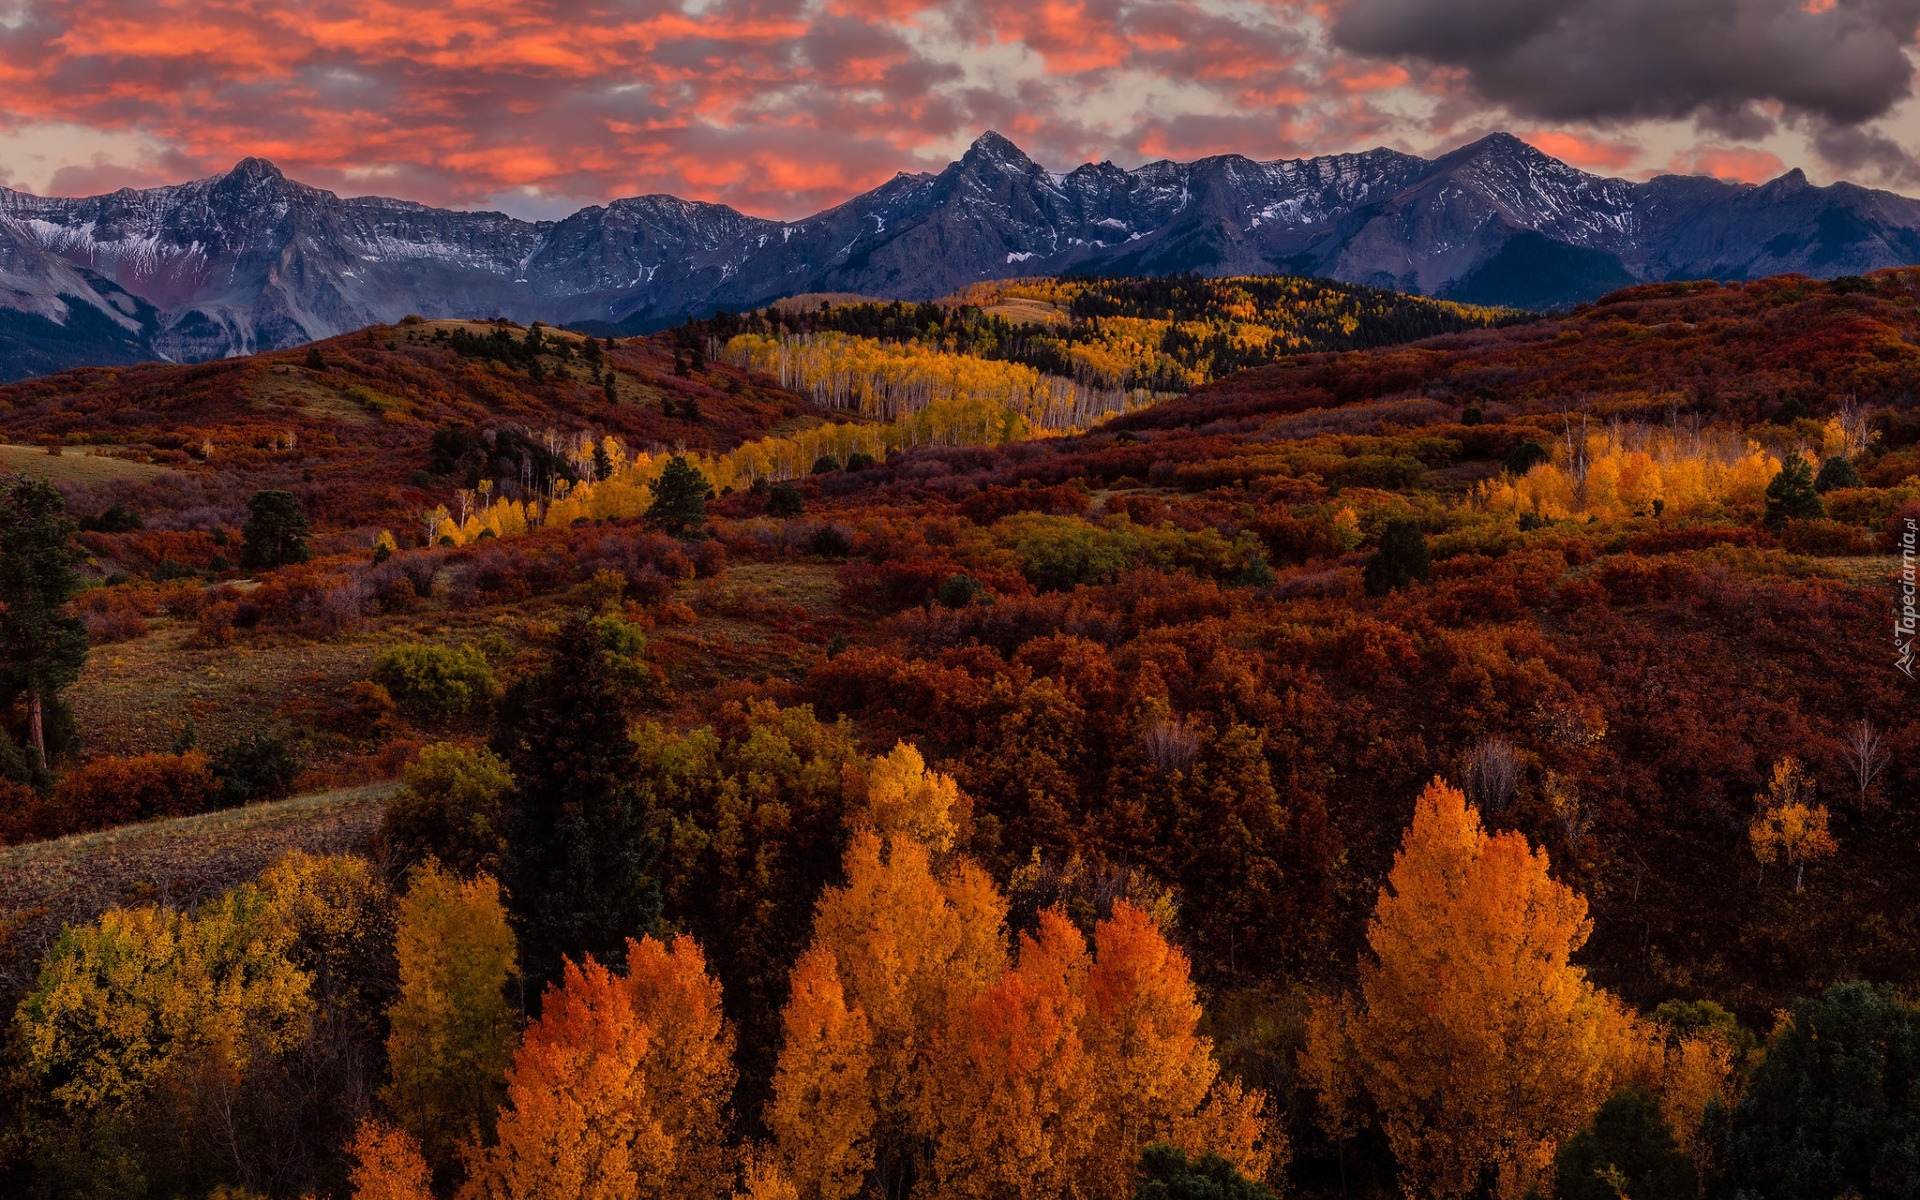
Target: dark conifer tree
point(1836, 472)
point(1401, 558)
point(42, 647)
point(1790, 497)
point(579, 853)
point(679, 497)
point(276, 533)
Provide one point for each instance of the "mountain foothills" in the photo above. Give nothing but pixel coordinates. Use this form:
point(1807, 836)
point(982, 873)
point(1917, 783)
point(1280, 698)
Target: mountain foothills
point(252, 261)
point(1001, 747)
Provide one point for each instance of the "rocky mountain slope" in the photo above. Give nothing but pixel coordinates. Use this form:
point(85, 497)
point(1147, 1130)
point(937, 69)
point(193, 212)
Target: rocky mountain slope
point(251, 260)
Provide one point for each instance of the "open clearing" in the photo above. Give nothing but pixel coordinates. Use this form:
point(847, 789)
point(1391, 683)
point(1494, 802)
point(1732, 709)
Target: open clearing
point(73, 465)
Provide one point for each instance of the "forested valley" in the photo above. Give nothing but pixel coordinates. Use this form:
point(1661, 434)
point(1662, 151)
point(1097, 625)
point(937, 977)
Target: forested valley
point(1158, 740)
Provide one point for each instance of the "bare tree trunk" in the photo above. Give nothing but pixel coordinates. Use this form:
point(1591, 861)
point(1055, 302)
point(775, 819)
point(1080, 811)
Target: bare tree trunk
point(37, 725)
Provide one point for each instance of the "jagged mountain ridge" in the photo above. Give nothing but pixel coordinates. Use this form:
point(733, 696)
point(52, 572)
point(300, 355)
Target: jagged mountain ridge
point(251, 260)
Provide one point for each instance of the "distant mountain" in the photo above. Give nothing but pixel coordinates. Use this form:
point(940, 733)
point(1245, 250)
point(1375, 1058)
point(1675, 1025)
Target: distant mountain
point(252, 260)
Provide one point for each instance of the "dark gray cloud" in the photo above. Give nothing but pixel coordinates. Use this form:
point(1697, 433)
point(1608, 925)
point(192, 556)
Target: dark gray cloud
point(1851, 148)
point(1715, 61)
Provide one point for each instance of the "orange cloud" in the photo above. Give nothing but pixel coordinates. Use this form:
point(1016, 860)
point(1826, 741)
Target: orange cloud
point(1591, 154)
point(1725, 162)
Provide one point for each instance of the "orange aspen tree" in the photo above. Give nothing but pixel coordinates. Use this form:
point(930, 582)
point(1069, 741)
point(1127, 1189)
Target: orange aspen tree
point(909, 946)
point(1482, 1045)
point(1154, 1073)
point(452, 1031)
point(1009, 1097)
point(1699, 1071)
point(762, 1179)
point(578, 1122)
point(821, 1115)
point(689, 1073)
point(388, 1164)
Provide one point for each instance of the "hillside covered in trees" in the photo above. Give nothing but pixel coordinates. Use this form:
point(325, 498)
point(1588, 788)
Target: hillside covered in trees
point(1474, 767)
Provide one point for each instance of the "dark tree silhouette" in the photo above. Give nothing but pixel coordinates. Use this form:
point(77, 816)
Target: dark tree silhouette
point(276, 533)
point(42, 649)
point(679, 497)
point(579, 855)
point(1791, 496)
point(1401, 558)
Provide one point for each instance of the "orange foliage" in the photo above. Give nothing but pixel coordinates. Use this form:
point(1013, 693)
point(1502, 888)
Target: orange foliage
point(1483, 1047)
point(821, 1114)
point(389, 1165)
point(578, 1122)
point(688, 1069)
point(118, 791)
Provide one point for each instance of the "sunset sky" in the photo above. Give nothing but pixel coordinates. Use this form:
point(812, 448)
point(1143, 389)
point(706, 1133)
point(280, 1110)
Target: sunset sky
point(781, 107)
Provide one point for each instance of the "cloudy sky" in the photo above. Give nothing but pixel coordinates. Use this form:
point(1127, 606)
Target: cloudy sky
point(781, 107)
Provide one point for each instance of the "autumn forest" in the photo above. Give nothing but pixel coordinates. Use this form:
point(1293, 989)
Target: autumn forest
point(1081, 739)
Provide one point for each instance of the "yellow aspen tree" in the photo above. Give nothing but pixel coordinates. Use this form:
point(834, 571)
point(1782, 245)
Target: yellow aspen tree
point(821, 1115)
point(1788, 825)
point(577, 1122)
point(1009, 1098)
point(1483, 1046)
point(689, 1073)
point(388, 1164)
point(1154, 1072)
point(1328, 1064)
point(903, 796)
point(452, 1031)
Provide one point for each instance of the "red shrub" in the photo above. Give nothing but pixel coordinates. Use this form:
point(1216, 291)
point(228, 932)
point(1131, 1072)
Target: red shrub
point(117, 791)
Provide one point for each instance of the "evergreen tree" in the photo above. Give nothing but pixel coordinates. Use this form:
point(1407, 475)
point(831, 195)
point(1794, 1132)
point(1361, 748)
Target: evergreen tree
point(42, 648)
point(276, 533)
point(785, 500)
point(679, 498)
point(1401, 558)
point(1833, 1109)
point(1166, 1174)
point(579, 856)
point(1629, 1150)
point(1791, 495)
point(1836, 472)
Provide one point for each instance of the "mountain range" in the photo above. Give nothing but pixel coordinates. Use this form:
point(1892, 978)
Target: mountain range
point(251, 260)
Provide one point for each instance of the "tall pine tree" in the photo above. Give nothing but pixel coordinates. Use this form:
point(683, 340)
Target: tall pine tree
point(579, 858)
point(42, 648)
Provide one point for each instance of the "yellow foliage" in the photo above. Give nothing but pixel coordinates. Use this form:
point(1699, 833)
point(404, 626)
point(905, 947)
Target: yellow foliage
point(1698, 1071)
point(1788, 825)
point(903, 796)
point(762, 1179)
point(452, 1031)
point(1624, 470)
point(145, 993)
point(947, 399)
point(688, 1070)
